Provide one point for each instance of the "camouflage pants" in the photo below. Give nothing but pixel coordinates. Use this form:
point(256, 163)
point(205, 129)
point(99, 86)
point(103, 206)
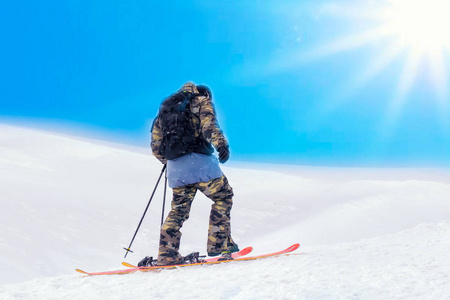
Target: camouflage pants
point(219, 232)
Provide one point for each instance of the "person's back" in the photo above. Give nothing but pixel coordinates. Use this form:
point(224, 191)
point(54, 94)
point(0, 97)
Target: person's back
point(196, 170)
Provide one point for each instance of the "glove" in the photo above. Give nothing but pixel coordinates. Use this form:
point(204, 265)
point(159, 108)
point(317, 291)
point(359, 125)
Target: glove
point(224, 154)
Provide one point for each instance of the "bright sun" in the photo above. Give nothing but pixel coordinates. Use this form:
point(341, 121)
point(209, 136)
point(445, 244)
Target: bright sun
point(416, 29)
point(421, 24)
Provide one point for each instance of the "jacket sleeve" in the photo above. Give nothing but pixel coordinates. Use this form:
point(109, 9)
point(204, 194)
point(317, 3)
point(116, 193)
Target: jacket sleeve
point(156, 141)
point(209, 124)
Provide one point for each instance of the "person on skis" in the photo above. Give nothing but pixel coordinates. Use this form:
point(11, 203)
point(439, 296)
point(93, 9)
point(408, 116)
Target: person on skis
point(191, 166)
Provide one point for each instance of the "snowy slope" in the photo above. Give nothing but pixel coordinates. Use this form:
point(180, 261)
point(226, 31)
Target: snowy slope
point(365, 233)
point(390, 267)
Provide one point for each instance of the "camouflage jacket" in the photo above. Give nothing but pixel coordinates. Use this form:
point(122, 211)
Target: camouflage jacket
point(204, 120)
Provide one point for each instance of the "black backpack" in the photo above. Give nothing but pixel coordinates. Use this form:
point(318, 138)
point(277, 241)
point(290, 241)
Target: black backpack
point(179, 133)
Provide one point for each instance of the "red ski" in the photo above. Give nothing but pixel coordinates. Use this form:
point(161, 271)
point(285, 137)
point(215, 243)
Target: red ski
point(146, 269)
point(241, 253)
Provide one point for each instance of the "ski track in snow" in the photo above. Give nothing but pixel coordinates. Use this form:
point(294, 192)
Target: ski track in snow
point(71, 203)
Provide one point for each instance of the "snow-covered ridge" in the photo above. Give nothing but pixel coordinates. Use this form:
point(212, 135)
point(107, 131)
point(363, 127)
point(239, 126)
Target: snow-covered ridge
point(365, 233)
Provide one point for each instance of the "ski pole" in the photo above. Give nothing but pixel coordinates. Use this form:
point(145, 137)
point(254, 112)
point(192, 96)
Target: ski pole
point(164, 200)
point(148, 204)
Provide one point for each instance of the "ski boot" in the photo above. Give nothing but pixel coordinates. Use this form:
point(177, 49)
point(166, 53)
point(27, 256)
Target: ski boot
point(233, 249)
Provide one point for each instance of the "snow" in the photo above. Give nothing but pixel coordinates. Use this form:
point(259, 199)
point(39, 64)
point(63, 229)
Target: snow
point(71, 203)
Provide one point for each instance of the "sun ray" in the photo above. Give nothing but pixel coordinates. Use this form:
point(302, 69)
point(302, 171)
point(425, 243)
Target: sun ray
point(382, 61)
point(400, 96)
point(438, 72)
point(345, 44)
point(439, 79)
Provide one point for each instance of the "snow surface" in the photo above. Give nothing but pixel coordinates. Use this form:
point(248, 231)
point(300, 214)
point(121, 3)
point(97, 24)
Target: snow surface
point(71, 203)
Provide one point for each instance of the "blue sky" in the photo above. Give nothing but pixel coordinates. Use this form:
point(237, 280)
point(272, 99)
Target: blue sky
point(308, 82)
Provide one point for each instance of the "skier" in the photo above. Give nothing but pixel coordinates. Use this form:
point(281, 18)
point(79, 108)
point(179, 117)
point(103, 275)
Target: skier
point(193, 169)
